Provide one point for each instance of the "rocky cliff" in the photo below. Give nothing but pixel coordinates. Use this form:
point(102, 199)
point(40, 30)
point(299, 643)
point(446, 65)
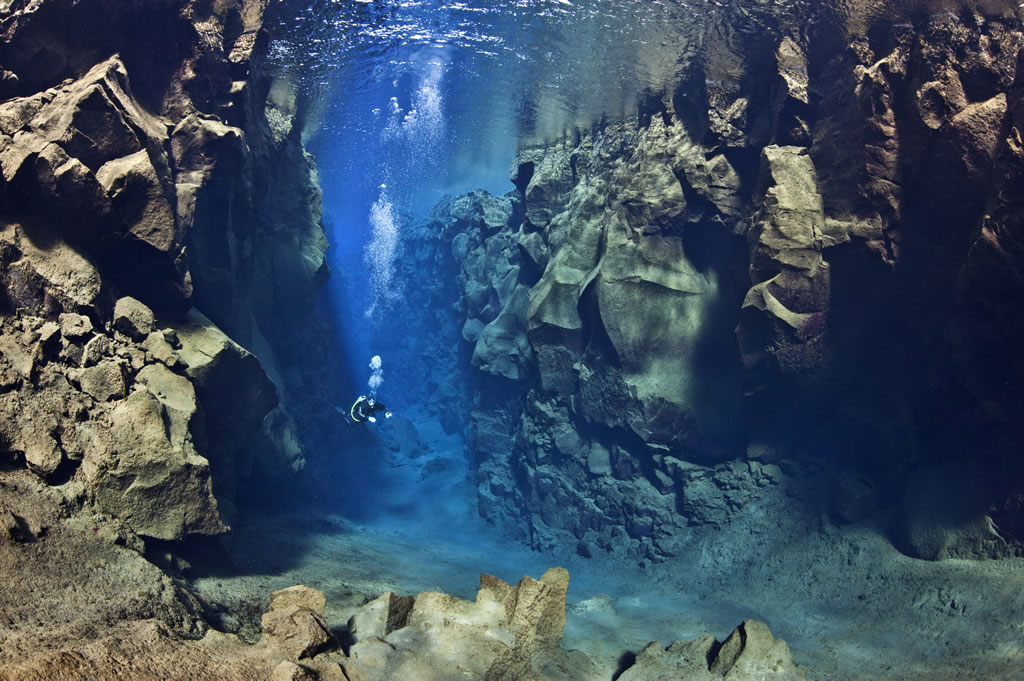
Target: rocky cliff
point(160, 252)
point(161, 223)
point(807, 277)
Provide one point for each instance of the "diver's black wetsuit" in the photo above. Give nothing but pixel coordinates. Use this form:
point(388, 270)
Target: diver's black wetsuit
point(365, 408)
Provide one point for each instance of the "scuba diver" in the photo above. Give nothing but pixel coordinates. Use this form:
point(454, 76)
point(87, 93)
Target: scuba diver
point(365, 408)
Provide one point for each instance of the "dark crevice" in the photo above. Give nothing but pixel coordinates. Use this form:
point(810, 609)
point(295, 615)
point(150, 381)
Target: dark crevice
point(523, 176)
point(625, 661)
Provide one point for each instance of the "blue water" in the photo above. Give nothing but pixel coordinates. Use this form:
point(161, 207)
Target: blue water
point(407, 102)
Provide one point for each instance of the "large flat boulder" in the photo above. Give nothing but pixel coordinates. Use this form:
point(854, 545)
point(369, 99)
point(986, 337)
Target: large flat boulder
point(149, 474)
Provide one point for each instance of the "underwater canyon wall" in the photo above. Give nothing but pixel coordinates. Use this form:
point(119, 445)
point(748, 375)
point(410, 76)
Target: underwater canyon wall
point(805, 285)
point(160, 225)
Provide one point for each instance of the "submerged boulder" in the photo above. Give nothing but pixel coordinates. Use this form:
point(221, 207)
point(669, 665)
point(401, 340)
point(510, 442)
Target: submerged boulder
point(294, 626)
point(133, 318)
point(750, 653)
point(513, 632)
point(149, 473)
point(104, 381)
point(40, 275)
point(507, 633)
point(90, 161)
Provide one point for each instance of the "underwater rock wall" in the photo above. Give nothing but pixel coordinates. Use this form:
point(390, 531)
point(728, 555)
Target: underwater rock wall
point(815, 277)
point(159, 224)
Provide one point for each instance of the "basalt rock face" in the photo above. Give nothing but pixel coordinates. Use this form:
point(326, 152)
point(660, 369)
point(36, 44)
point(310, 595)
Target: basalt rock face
point(821, 270)
point(138, 148)
point(153, 285)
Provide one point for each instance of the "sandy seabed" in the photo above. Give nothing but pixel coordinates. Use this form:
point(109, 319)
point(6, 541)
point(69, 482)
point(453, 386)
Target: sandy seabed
point(850, 606)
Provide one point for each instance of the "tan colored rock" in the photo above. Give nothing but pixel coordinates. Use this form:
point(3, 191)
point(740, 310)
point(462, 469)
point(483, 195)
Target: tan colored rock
point(95, 350)
point(177, 396)
point(20, 358)
point(133, 318)
point(94, 119)
point(294, 625)
point(682, 660)
point(9, 525)
point(49, 331)
point(299, 596)
point(198, 147)
point(750, 653)
point(235, 392)
point(296, 632)
point(509, 633)
point(150, 475)
point(74, 325)
point(939, 99)
point(97, 164)
point(140, 200)
point(16, 113)
point(380, 617)
point(980, 130)
point(34, 420)
point(784, 315)
point(104, 381)
point(159, 350)
point(538, 607)
point(789, 99)
point(42, 453)
point(65, 182)
point(57, 270)
point(289, 671)
point(144, 650)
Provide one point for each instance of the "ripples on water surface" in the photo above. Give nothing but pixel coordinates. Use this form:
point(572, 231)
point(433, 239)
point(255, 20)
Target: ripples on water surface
point(428, 96)
point(537, 68)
